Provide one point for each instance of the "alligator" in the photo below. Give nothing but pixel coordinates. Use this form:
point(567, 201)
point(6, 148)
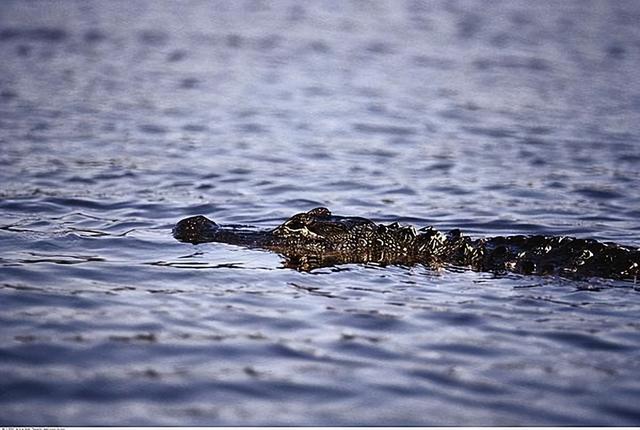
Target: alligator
point(318, 238)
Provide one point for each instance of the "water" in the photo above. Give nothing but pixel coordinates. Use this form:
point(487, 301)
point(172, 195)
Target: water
point(117, 119)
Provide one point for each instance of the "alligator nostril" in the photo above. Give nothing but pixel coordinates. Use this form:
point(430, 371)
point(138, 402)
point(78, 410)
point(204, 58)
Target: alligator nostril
point(195, 229)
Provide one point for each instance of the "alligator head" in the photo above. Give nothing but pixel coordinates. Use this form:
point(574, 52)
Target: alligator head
point(310, 239)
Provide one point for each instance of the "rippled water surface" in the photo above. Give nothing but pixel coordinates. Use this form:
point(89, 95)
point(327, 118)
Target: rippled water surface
point(117, 119)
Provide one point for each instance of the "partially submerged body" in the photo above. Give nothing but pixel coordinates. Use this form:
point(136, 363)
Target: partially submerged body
point(318, 239)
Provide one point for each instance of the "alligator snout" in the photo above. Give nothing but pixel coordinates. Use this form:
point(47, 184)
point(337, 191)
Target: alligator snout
point(195, 229)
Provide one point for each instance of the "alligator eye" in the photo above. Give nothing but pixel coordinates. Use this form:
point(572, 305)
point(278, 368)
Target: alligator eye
point(294, 224)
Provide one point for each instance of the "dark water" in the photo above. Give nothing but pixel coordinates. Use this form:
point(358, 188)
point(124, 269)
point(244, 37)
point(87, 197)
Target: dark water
point(119, 118)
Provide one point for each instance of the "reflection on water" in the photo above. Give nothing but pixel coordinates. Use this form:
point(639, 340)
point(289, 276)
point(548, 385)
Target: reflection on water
point(118, 119)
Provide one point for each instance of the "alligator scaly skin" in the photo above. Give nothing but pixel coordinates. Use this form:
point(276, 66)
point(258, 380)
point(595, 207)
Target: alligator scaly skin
point(317, 238)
